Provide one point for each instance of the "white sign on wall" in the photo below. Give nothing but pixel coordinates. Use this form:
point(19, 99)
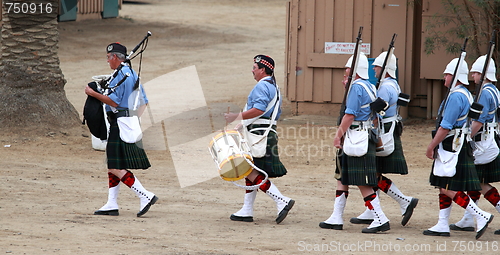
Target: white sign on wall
point(345, 48)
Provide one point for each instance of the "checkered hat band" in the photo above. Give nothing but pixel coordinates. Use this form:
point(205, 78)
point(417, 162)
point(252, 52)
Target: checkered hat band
point(262, 61)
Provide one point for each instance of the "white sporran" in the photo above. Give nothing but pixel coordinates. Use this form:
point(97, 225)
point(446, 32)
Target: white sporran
point(257, 143)
point(387, 141)
point(130, 129)
point(445, 164)
point(486, 151)
point(356, 142)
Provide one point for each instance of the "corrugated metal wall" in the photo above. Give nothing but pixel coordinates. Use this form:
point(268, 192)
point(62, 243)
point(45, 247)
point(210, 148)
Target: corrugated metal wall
point(90, 6)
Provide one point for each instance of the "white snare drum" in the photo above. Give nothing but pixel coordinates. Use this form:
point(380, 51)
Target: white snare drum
point(231, 155)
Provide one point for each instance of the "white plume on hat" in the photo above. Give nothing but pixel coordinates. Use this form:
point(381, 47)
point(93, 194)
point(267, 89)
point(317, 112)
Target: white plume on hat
point(479, 65)
point(462, 73)
point(390, 66)
point(362, 68)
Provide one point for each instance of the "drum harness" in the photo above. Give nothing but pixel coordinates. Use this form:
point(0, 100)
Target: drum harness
point(259, 120)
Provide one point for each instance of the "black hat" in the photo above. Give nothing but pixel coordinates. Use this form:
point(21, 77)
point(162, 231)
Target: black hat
point(117, 47)
point(265, 60)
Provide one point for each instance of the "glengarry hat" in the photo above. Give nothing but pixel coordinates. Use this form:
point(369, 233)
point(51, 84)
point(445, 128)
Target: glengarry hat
point(264, 60)
point(116, 47)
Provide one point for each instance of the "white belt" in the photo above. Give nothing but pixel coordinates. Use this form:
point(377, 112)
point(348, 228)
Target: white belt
point(455, 130)
point(264, 121)
point(390, 119)
point(365, 123)
point(491, 125)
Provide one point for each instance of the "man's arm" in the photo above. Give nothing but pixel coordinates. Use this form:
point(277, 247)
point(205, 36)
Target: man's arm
point(105, 99)
point(252, 113)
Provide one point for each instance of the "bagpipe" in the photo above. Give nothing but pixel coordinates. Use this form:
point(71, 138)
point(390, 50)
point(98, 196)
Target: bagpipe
point(93, 111)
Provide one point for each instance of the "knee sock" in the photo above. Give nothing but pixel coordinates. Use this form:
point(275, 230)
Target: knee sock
point(368, 199)
point(339, 193)
point(384, 184)
point(265, 186)
point(444, 201)
point(248, 183)
point(461, 199)
point(474, 195)
point(492, 196)
point(128, 179)
point(113, 180)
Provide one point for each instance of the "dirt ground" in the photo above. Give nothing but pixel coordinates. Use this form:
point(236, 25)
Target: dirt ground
point(51, 185)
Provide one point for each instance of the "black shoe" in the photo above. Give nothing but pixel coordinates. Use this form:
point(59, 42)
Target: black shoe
point(107, 212)
point(241, 218)
point(146, 208)
point(384, 227)
point(282, 215)
point(409, 211)
point(497, 232)
point(435, 233)
point(360, 221)
point(330, 226)
point(481, 232)
point(455, 227)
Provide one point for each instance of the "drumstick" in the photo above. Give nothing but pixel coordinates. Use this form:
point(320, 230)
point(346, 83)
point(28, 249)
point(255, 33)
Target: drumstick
point(233, 165)
point(227, 113)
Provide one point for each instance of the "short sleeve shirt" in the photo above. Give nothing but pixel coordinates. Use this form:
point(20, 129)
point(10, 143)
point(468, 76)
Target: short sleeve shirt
point(457, 106)
point(124, 95)
point(261, 95)
point(388, 91)
point(489, 102)
point(358, 100)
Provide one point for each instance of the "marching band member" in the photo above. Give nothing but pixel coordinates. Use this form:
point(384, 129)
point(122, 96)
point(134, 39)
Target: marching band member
point(122, 156)
point(484, 132)
point(353, 170)
point(453, 155)
point(258, 100)
point(395, 162)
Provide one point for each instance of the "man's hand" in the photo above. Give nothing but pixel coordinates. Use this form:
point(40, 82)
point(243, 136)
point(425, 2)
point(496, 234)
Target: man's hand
point(89, 91)
point(230, 117)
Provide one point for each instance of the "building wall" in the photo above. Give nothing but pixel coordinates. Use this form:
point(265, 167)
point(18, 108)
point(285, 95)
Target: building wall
point(313, 77)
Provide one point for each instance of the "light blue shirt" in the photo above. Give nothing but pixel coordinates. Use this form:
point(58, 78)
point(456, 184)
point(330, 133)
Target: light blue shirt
point(261, 95)
point(489, 102)
point(358, 97)
point(387, 92)
point(124, 94)
point(456, 107)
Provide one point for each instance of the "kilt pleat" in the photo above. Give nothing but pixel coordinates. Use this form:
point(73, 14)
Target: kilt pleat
point(490, 172)
point(121, 155)
point(359, 171)
point(465, 178)
point(395, 163)
point(271, 162)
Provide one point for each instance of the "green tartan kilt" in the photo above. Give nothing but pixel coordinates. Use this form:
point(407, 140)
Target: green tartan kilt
point(490, 172)
point(359, 171)
point(465, 178)
point(395, 163)
point(121, 155)
point(270, 163)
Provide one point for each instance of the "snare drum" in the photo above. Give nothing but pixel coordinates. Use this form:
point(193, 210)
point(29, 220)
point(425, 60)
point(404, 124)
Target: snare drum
point(231, 155)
